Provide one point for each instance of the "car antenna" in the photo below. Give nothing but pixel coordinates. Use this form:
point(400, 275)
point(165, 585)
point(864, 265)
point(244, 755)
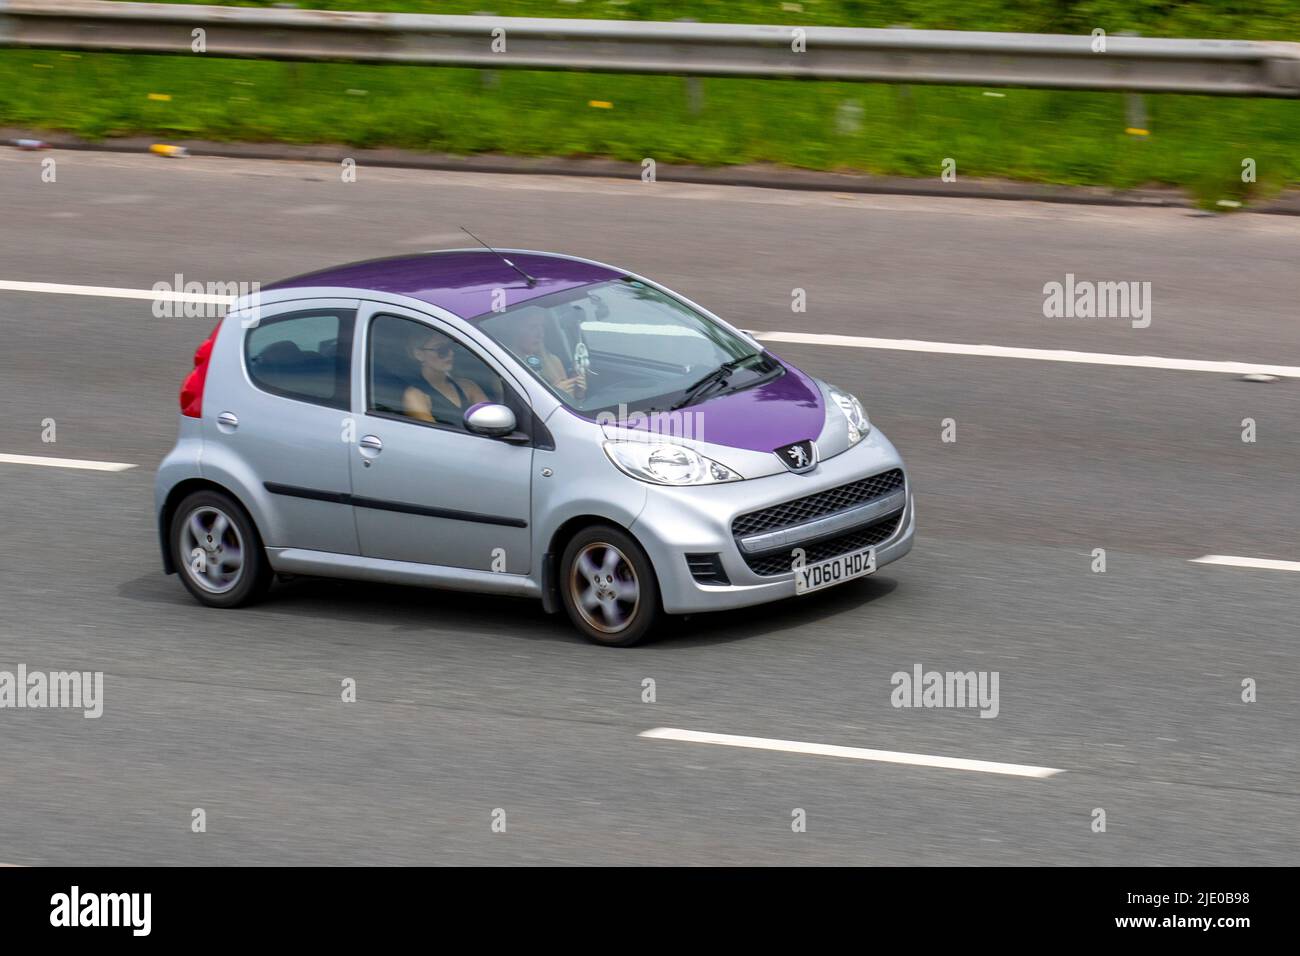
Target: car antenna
point(527, 278)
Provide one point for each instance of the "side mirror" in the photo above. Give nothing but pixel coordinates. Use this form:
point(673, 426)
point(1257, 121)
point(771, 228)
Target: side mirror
point(495, 421)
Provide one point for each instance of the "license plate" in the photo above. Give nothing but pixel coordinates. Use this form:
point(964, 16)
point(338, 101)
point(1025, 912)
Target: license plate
point(846, 567)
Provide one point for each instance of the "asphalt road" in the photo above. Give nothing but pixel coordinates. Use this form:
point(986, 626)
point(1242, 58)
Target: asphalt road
point(1129, 681)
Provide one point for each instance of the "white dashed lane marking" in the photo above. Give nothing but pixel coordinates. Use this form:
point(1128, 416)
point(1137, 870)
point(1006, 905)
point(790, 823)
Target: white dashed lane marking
point(64, 463)
point(1234, 561)
point(1038, 355)
point(850, 753)
point(109, 292)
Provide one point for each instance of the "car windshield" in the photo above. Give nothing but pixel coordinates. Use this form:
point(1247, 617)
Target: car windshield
point(623, 345)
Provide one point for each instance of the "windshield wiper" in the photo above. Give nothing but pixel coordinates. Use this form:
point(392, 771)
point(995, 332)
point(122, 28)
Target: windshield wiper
point(718, 376)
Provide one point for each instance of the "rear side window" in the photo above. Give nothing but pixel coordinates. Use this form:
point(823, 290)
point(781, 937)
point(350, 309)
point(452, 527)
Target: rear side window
point(305, 356)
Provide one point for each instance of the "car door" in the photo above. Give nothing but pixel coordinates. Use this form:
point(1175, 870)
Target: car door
point(425, 489)
point(283, 419)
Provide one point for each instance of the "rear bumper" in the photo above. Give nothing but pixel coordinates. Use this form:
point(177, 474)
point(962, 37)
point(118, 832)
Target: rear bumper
point(681, 521)
point(182, 463)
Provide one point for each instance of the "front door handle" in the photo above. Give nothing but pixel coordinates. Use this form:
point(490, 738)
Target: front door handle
point(371, 446)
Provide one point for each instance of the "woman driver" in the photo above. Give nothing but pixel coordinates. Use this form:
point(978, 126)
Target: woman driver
point(439, 397)
point(529, 339)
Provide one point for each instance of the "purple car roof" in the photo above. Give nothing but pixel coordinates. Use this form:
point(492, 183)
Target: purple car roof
point(462, 282)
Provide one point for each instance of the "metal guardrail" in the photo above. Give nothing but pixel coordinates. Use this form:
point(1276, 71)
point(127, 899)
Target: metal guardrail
point(1133, 64)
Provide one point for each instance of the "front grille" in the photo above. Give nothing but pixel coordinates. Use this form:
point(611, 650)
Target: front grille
point(864, 536)
point(707, 568)
point(816, 506)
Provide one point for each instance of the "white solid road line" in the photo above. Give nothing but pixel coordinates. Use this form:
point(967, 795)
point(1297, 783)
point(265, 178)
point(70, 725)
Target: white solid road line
point(1233, 561)
point(1040, 355)
point(108, 292)
point(64, 463)
point(851, 753)
point(795, 338)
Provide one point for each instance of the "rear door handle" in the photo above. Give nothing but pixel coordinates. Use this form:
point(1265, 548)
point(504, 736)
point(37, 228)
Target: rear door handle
point(228, 420)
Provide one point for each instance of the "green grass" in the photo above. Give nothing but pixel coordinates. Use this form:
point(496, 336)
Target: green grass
point(1072, 138)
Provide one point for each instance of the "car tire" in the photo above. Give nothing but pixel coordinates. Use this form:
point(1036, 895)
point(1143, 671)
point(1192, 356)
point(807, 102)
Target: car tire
point(609, 587)
point(218, 552)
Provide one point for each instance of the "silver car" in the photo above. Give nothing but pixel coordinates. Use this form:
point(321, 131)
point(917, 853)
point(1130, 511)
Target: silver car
point(519, 423)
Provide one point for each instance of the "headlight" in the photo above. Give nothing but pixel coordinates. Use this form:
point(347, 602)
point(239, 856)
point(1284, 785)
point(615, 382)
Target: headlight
point(666, 464)
point(859, 425)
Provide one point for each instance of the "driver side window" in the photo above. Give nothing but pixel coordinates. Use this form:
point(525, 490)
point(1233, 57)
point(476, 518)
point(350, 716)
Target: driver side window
point(418, 372)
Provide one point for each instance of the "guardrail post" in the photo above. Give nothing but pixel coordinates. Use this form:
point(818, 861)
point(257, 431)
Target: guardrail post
point(1137, 115)
point(848, 118)
point(489, 79)
point(694, 85)
point(903, 92)
point(695, 95)
point(1136, 106)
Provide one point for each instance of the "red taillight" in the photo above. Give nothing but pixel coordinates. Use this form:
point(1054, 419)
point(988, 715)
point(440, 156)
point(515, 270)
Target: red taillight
point(192, 388)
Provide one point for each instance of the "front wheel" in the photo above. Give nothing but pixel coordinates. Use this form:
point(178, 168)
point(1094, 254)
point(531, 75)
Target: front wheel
point(609, 586)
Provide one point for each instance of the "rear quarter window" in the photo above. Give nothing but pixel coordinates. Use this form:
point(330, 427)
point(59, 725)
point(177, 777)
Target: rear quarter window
point(306, 356)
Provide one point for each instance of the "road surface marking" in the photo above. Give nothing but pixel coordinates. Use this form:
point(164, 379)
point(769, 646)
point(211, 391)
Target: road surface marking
point(1232, 561)
point(64, 463)
point(1039, 355)
point(851, 753)
point(794, 338)
point(108, 292)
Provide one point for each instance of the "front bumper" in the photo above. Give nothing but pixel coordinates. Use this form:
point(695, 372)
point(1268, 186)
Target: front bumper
point(698, 520)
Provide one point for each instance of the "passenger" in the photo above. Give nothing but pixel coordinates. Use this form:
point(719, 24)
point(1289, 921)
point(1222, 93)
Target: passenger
point(446, 398)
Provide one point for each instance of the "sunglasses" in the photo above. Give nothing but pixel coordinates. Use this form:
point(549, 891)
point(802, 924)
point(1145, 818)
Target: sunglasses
point(442, 351)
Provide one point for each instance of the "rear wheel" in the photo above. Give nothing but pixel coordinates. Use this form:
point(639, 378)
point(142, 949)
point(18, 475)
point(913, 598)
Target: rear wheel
point(609, 586)
point(218, 551)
